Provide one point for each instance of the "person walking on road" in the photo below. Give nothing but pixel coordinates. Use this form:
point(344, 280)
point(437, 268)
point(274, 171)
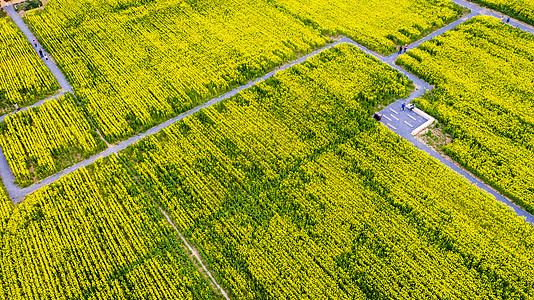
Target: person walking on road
point(41, 53)
point(46, 56)
point(405, 48)
point(400, 49)
point(35, 43)
point(508, 21)
point(403, 106)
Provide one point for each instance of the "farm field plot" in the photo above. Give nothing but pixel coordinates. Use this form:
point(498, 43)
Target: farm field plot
point(291, 190)
point(24, 77)
point(520, 9)
point(6, 207)
point(485, 98)
point(44, 140)
point(135, 64)
point(378, 25)
point(95, 235)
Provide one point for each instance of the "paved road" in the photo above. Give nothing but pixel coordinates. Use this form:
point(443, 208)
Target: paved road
point(518, 210)
point(404, 122)
point(5, 171)
point(391, 59)
point(486, 12)
point(63, 83)
point(401, 122)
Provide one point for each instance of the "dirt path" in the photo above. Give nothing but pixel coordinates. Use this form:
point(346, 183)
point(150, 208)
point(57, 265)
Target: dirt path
point(196, 255)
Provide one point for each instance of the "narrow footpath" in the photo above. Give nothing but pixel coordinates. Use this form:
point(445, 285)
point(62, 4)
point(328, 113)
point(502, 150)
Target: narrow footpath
point(404, 123)
point(195, 254)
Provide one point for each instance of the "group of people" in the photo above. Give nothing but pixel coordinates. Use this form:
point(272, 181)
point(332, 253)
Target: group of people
point(41, 53)
point(505, 20)
point(410, 106)
point(401, 47)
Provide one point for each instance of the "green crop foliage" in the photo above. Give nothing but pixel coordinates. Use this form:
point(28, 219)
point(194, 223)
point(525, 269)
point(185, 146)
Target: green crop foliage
point(287, 190)
point(135, 64)
point(6, 208)
point(377, 24)
point(520, 9)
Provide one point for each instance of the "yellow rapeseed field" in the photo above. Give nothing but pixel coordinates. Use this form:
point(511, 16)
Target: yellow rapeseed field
point(24, 78)
point(484, 95)
point(94, 235)
point(520, 9)
point(44, 140)
point(291, 191)
point(135, 64)
point(377, 24)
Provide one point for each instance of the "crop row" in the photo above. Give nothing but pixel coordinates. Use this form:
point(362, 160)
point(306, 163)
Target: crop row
point(24, 77)
point(44, 140)
point(483, 74)
point(135, 64)
point(378, 25)
point(520, 9)
point(6, 208)
point(290, 190)
point(95, 235)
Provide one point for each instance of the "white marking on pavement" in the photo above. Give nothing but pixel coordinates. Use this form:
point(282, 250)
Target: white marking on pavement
point(394, 117)
point(408, 124)
point(391, 126)
point(393, 111)
point(412, 118)
point(387, 118)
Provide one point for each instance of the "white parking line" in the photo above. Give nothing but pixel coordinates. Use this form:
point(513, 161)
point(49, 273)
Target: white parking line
point(391, 126)
point(408, 124)
point(394, 117)
point(387, 117)
point(412, 118)
point(393, 111)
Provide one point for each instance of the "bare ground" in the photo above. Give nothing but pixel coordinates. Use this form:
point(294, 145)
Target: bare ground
point(435, 138)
